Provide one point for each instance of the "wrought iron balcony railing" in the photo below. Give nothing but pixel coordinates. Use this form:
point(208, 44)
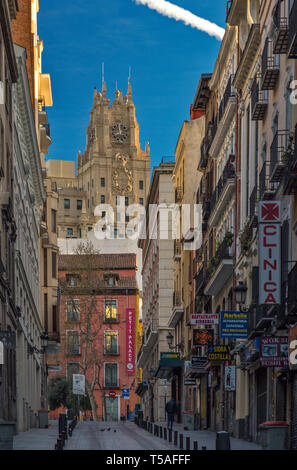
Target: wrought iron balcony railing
point(293, 31)
point(259, 101)
point(223, 252)
point(267, 189)
point(228, 174)
point(280, 18)
point(281, 153)
point(290, 184)
point(270, 67)
point(254, 199)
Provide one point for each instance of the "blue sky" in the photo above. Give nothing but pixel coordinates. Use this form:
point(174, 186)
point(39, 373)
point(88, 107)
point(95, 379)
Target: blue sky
point(167, 59)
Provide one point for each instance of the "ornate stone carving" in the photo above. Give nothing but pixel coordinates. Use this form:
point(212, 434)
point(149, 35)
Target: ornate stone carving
point(122, 180)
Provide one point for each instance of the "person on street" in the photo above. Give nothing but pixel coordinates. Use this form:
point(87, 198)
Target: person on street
point(171, 410)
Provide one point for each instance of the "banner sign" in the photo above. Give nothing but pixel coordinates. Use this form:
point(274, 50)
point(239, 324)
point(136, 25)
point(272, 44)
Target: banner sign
point(126, 393)
point(205, 319)
point(203, 337)
point(269, 250)
point(274, 351)
point(198, 362)
point(234, 325)
point(230, 378)
point(130, 341)
point(219, 353)
point(78, 384)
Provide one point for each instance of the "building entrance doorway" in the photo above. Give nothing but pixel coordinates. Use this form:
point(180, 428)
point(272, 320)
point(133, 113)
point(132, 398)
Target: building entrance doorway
point(112, 409)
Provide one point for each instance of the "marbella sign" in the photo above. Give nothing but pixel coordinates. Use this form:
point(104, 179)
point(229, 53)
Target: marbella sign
point(205, 319)
point(234, 325)
point(269, 250)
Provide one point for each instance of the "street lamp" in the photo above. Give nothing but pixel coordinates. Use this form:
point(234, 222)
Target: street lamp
point(44, 344)
point(240, 295)
point(169, 339)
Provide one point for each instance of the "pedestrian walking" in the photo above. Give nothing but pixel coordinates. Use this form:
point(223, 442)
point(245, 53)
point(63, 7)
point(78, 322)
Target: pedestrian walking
point(171, 410)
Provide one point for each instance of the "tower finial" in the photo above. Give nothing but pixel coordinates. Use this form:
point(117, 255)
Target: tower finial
point(103, 82)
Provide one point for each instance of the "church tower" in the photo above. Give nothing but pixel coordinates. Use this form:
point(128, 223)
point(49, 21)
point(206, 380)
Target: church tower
point(112, 165)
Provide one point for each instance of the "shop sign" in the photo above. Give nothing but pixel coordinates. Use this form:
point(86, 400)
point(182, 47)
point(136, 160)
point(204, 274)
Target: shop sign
point(189, 382)
point(205, 319)
point(130, 341)
point(234, 325)
point(269, 250)
point(230, 378)
point(274, 351)
point(219, 353)
point(170, 355)
point(198, 362)
point(203, 337)
point(78, 384)
point(252, 350)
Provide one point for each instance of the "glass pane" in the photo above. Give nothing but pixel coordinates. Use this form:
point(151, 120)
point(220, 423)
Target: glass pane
point(110, 309)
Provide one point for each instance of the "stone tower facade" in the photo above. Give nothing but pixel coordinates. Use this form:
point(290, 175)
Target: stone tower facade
point(112, 165)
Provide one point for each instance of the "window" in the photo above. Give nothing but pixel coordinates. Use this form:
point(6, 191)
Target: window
point(126, 201)
point(103, 214)
point(127, 218)
point(79, 205)
point(102, 182)
point(88, 203)
point(140, 184)
point(69, 232)
point(2, 146)
point(72, 368)
point(66, 203)
point(111, 342)
point(73, 279)
point(54, 265)
point(102, 199)
point(90, 229)
point(111, 309)
point(72, 310)
point(72, 340)
point(54, 221)
point(111, 375)
point(141, 201)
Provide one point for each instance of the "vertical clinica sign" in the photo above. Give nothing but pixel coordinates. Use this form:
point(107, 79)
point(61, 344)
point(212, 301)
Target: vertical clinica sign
point(269, 250)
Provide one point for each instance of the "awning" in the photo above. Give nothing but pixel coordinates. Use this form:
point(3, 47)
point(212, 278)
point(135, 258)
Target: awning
point(167, 367)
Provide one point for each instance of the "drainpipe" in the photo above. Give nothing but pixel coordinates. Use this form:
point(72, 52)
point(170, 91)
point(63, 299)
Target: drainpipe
point(237, 170)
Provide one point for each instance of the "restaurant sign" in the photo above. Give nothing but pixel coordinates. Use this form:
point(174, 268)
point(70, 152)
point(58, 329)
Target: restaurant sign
point(205, 319)
point(219, 353)
point(274, 351)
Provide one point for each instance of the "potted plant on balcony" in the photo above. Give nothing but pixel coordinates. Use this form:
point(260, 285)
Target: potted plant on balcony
point(229, 238)
point(288, 153)
point(246, 238)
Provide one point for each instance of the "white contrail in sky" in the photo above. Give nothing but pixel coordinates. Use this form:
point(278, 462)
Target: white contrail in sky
point(180, 14)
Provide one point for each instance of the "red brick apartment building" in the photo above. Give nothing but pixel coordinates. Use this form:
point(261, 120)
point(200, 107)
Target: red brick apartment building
point(98, 318)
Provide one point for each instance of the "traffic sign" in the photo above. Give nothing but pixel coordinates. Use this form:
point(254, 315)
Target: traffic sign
point(112, 394)
point(126, 393)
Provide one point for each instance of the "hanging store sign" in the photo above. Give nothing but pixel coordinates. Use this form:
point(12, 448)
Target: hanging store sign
point(205, 319)
point(274, 351)
point(234, 325)
point(219, 353)
point(269, 253)
point(78, 384)
point(203, 337)
point(198, 362)
point(130, 341)
point(230, 378)
point(189, 382)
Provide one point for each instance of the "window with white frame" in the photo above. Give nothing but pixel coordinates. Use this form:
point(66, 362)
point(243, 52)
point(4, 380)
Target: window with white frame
point(111, 344)
point(111, 374)
point(72, 310)
point(73, 343)
point(111, 309)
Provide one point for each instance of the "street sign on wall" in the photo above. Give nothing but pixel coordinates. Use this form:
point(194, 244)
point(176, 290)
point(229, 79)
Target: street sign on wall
point(234, 325)
point(230, 378)
point(126, 393)
point(269, 250)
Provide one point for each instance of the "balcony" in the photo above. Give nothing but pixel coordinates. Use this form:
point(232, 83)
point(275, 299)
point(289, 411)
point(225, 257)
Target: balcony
point(270, 67)
point(201, 280)
point(236, 11)
point(293, 32)
point(290, 184)
point(267, 189)
point(223, 192)
point(227, 110)
point(259, 102)
point(254, 199)
point(205, 146)
point(281, 152)
point(248, 57)
point(177, 311)
point(45, 140)
point(281, 38)
point(151, 335)
point(220, 267)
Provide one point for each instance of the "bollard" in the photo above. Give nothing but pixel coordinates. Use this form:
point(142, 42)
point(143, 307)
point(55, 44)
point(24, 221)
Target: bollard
point(188, 444)
point(203, 447)
point(181, 441)
point(170, 435)
point(161, 432)
point(70, 432)
point(175, 437)
point(195, 445)
point(59, 444)
point(165, 434)
point(158, 428)
point(223, 441)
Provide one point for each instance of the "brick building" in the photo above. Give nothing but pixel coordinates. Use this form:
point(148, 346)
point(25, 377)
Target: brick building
point(97, 292)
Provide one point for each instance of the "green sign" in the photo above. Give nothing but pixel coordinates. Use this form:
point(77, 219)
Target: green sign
point(170, 355)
